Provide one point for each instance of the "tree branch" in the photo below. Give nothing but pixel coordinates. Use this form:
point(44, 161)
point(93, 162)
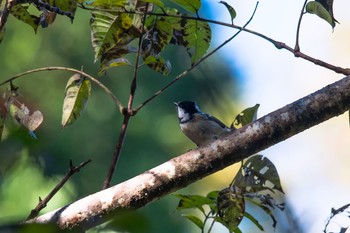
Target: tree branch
point(5, 13)
point(183, 170)
point(109, 92)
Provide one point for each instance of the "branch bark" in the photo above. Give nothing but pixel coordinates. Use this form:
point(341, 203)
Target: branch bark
point(183, 170)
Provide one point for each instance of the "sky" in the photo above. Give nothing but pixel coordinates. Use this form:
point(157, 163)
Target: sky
point(313, 165)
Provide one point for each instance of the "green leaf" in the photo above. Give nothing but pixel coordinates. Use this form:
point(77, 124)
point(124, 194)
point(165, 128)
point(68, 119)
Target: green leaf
point(109, 3)
point(231, 207)
point(114, 58)
point(199, 223)
point(213, 195)
point(258, 173)
point(155, 2)
point(111, 31)
point(253, 220)
point(192, 6)
point(20, 12)
point(245, 117)
point(76, 96)
point(193, 201)
point(194, 35)
point(158, 64)
point(198, 36)
point(157, 37)
point(230, 9)
point(315, 7)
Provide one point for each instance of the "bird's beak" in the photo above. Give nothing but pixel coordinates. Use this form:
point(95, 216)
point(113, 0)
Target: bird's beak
point(176, 103)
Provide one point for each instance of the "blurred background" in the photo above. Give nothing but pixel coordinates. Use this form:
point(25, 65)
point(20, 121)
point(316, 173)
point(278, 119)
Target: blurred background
point(312, 165)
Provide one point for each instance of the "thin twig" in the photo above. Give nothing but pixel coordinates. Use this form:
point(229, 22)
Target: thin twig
point(109, 92)
point(184, 73)
point(297, 47)
point(40, 4)
point(42, 203)
point(5, 13)
point(127, 114)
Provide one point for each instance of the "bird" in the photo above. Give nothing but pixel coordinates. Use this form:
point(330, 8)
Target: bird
point(199, 127)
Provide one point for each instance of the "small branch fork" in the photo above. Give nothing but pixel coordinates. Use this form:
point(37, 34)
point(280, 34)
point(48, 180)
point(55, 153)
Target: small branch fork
point(127, 112)
point(297, 46)
point(130, 112)
point(43, 202)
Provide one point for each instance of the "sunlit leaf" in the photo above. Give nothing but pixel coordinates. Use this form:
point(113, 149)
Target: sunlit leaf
point(155, 2)
point(157, 37)
point(108, 3)
point(231, 207)
point(245, 117)
point(76, 96)
point(197, 221)
point(230, 9)
point(315, 7)
point(194, 35)
point(111, 31)
point(192, 6)
point(158, 64)
point(20, 12)
point(258, 173)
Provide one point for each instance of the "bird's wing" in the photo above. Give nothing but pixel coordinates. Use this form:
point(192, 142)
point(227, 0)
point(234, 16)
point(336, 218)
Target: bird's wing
point(210, 117)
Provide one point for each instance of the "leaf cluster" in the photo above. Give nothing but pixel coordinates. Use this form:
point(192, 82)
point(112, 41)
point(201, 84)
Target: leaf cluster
point(113, 33)
point(228, 206)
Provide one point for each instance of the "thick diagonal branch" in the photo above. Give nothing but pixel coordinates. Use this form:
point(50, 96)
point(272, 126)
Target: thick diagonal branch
point(183, 170)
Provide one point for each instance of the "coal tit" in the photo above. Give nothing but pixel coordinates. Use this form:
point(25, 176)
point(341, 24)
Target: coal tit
point(199, 127)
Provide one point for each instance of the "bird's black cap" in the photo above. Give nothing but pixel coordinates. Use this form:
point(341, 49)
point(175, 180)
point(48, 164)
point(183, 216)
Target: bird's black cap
point(189, 106)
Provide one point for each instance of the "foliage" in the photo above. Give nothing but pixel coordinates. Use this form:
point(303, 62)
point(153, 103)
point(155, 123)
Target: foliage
point(148, 29)
point(76, 96)
point(228, 206)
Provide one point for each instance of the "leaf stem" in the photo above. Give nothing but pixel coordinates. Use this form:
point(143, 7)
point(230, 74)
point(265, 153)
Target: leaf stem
point(297, 47)
point(101, 85)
